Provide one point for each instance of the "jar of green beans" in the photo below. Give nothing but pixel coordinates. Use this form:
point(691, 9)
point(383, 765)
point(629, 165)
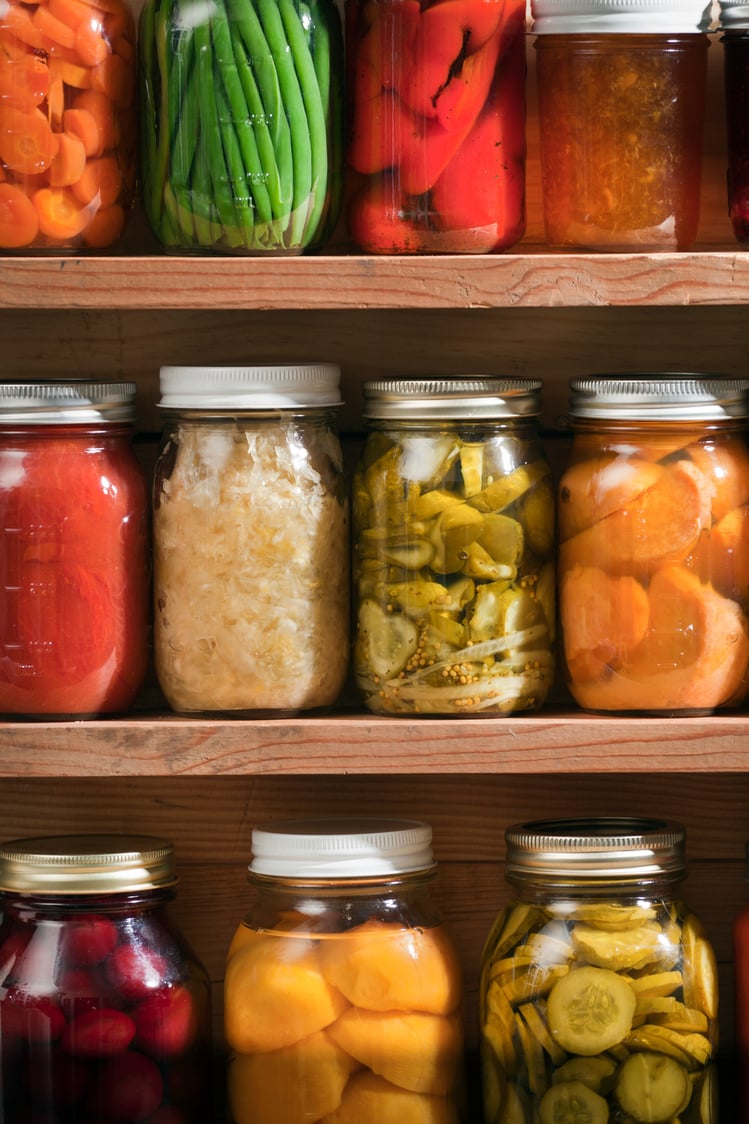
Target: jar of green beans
point(241, 124)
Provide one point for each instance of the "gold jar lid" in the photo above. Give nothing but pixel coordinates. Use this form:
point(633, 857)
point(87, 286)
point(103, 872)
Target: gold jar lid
point(86, 864)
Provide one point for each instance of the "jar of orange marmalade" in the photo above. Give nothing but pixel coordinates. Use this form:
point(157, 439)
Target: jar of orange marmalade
point(343, 993)
point(653, 559)
point(621, 92)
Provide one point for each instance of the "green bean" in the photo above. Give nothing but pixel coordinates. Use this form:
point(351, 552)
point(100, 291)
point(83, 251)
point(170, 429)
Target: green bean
point(184, 131)
point(201, 205)
point(211, 130)
point(235, 166)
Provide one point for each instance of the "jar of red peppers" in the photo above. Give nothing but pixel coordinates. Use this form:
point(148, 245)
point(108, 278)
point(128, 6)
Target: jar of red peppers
point(67, 123)
point(74, 598)
point(621, 93)
point(654, 544)
point(343, 988)
point(734, 22)
point(104, 1008)
point(436, 145)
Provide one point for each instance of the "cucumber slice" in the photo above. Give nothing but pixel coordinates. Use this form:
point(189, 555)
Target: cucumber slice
point(652, 1087)
point(597, 1073)
point(385, 641)
point(589, 1010)
point(573, 1103)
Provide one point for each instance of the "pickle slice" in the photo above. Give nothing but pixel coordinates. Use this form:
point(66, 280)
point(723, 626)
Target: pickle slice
point(385, 641)
point(620, 950)
point(659, 983)
point(510, 928)
point(590, 1010)
point(571, 1102)
point(535, 1017)
point(700, 972)
point(597, 1073)
point(535, 1064)
point(652, 1087)
point(472, 467)
point(612, 915)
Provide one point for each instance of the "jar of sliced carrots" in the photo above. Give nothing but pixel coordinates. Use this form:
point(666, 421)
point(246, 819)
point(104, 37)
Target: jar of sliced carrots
point(653, 567)
point(343, 989)
point(67, 123)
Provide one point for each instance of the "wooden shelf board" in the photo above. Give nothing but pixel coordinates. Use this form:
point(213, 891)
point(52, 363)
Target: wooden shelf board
point(552, 743)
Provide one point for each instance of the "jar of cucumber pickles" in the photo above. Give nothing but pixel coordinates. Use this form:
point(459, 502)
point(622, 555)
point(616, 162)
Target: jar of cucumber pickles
point(598, 994)
point(453, 549)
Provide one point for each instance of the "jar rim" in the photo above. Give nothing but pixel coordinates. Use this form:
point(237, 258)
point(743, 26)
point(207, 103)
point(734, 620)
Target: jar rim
point(86, 864)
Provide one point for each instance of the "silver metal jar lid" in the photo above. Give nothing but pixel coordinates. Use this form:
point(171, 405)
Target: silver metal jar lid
point(66, 402)
point(265, 387)
point(455, 398)
point(734, 14)
point(659, 397)
point(351, 847)
point(86, 864)
point(594, 850)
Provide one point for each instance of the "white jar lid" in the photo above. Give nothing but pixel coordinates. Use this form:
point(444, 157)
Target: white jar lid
point(266, 387)
point(341, 848)
point(649, 17)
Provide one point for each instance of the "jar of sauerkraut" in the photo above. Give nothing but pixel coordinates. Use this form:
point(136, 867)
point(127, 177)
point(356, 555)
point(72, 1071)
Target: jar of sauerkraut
point(598, 996)
point(343, 993)
point(250, 526)
point(453, 549)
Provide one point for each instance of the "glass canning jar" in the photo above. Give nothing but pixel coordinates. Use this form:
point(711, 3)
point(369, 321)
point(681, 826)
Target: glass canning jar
point(653, 517)
point(104, 1009)
point(343, 989)
point(621, 94)
point(453, 548)
point(67, 124)
point(741, 1013)
point(245, 153)
point(436, 139)
point(598, 995)
point(251, 550)
point(74, 564)
point(734, 23)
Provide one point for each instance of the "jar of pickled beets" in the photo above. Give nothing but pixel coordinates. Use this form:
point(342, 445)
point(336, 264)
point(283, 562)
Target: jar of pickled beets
point(436, 143)
point(598, 996)
point(343, 990)
point(104, 1009)
point(621, 94)
point(734, 23)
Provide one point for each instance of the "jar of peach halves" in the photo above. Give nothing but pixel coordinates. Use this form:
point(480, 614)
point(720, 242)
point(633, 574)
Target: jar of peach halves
point(654, 544)
point(343, 990)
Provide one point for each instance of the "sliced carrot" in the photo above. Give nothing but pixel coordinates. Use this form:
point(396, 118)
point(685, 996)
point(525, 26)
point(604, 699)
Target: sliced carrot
point(24, 81)
point(69, 163)
point(61, 216)
point(603, 618)
point(71, 12)
point(56, 101)
point(125, 48)
point(120, 24)
point(102, 110)
point(114, 78)
point(105, 227)
point(100, 182)
point(79, 77)
point(18, 218)
point(82, 124)
point(54, 29)
point(91, 42)
point(19, 22)
point(27, 143)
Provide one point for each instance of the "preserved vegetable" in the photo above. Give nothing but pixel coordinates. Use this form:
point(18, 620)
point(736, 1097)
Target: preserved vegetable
point(736, 80)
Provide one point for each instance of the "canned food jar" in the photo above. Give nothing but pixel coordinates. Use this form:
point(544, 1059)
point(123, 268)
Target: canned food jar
point(67, 124)
point(453, 549)
point(734, 22)
point(251, 550)
point(74, 593)
point(598, 995)
point(245, 155)
point(621, 96)
point(741, 1015)
point(436, 140)
point(104, 1009)
point(654, 544)
point(343, 990)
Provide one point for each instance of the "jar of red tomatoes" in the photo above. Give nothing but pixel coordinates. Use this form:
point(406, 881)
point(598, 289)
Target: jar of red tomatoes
point(436, 145)
point(74, 590)
point(621, 93)
point(67, 123)
point(104, 1008)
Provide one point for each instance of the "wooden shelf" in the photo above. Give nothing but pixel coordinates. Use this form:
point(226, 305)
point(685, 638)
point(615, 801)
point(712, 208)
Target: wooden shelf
point(533, 279)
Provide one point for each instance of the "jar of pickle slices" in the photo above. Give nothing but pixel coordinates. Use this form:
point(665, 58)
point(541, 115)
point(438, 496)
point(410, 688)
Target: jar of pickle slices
point(453, 549)
point(343, 989)
point(598, 995)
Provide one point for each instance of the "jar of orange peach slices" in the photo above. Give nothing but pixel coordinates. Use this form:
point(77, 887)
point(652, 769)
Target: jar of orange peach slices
point(343, 990)
point(654, 544)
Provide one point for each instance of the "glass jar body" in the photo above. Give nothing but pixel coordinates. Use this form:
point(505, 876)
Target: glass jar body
point(344, 1000)
point(251, 586)
point(620, 120)
point(653, 531)
point(104, 1011)
point(736, 82)
point(68, 132)
point(75, 570)
point(436, 146)
point(602, 1000)
point(741, 985)
point(453, 568)
point(251, 159)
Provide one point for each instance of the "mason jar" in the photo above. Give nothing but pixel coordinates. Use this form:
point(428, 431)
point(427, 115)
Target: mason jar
point(453, 512)
point(734, 25)
point(343, 989)
point(104, 1008)
point(740, 935)
point(74, 566)
point(598, 995)
point(251, 550)
point(653, 515)
point(241, 124)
